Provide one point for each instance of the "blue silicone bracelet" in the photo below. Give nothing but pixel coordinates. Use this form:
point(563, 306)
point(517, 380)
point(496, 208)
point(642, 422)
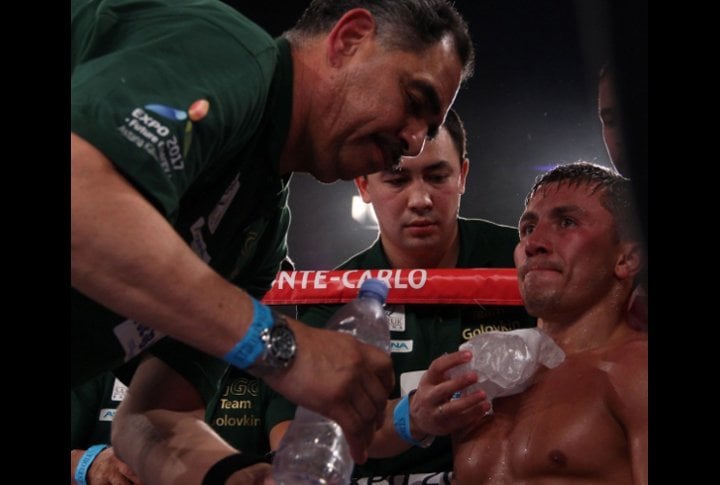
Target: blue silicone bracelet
point(251, 346)
point(401, 419)
point(85, 462)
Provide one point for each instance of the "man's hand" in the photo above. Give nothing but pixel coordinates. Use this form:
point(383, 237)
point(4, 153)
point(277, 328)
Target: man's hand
point(431, 409)
point(108, 469)
point(339, 377)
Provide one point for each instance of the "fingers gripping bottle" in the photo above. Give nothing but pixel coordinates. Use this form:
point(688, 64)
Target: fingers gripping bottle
point(314, 450)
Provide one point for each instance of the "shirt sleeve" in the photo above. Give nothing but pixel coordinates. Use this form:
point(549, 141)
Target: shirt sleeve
point(133, 105)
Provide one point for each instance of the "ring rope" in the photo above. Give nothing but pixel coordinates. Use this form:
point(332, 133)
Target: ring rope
point(480, 286)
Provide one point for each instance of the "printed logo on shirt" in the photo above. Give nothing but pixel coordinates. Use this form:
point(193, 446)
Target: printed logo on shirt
point(118, 391)
point(167, 112)
point(107, 414)
point(401, 346)
point(159, 141)
point(469, 333)
point(221, 207)
point(396, 315)
point(135, 337)
point(236, 404)
point(242, 386)
point(237, 421)
point(199, 109)
point(198, 244)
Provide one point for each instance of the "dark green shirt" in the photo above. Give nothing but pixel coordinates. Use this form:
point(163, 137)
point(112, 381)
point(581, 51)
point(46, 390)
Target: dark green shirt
point(92, 410)
point(421, 333)
point(243, 409)
point(137, 66)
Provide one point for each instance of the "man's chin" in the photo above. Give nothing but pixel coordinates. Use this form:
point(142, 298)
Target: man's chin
point(422, 245)
point(326, 179)
point(325, 176)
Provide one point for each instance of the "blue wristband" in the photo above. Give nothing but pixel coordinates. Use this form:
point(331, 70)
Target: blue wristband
point(401, 420)
point(85, 462)
point(251, 346)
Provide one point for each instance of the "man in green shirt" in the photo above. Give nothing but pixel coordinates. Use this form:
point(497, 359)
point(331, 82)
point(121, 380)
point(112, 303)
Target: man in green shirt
point(186, 122)
point(417, 209)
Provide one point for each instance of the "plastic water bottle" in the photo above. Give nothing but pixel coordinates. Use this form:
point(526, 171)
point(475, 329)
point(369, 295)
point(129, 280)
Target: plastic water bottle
point(314, 449)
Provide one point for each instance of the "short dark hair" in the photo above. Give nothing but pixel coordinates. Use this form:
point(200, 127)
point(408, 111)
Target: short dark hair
point(455, 127)
point(617, 196)
point(409, 25)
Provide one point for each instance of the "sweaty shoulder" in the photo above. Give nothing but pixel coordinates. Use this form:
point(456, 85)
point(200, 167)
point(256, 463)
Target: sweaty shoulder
point(631, 353)
point(626, 365)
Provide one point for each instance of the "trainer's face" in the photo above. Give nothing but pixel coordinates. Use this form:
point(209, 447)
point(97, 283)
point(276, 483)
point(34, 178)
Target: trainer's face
point(384, 104)
point(567, 251)
point(417, 205)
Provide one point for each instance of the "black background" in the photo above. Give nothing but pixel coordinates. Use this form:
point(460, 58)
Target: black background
point(530, 105)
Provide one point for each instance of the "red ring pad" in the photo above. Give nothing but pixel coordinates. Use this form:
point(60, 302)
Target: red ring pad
point(481, 286)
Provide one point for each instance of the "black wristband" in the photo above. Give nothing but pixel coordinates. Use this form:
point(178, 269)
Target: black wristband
point(220, 471)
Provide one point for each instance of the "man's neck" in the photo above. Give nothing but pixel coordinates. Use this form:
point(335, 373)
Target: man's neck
point(595, 327)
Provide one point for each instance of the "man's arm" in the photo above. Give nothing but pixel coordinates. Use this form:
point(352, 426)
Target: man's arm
point(425, 417)
point(127, 257)
point(159, 430)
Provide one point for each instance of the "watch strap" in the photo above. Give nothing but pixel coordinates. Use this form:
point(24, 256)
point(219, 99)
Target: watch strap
point(251, 346)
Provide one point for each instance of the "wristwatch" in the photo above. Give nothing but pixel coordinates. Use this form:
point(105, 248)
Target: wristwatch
point(279, 344)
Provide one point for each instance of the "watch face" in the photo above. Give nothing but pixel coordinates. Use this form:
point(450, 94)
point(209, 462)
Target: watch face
point(282, 343)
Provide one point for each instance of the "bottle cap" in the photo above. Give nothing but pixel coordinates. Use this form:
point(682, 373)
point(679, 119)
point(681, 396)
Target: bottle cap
point(376, 287)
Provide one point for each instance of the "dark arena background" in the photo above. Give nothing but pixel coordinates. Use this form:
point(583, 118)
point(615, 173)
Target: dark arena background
point(531, 104)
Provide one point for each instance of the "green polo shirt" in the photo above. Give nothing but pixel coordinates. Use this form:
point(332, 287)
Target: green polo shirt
point(421, 333)
point(137, 67)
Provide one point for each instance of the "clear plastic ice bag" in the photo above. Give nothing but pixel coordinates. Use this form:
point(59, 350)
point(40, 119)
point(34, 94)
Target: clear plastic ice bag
point(505, 361)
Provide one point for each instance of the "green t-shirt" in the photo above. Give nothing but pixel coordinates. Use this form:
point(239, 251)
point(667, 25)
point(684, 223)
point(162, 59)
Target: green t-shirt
point(243, 408)
point(137, 67)
point(421, 333)
point(92, 410)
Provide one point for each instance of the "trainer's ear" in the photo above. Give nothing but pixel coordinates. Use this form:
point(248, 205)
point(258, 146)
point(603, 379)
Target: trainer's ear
point(354, 27)
point(464, 169)
point(362, 183)
point(630, 261)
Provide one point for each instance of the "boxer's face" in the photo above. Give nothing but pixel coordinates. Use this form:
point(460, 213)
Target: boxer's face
point(568, 250)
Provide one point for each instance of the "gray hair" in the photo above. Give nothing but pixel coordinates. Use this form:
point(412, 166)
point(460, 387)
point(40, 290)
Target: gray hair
point(408, 25)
